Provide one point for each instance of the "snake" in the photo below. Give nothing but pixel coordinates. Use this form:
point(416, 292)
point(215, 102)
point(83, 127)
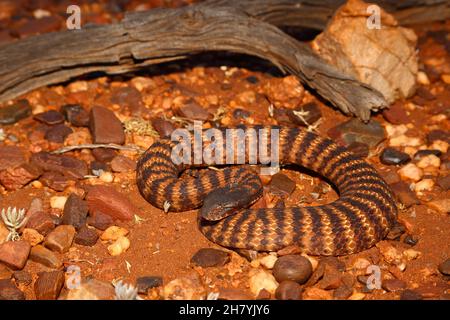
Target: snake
point(361, 216)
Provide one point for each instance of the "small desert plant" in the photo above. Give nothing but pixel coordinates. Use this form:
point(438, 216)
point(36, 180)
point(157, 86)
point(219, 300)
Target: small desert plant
point(126, 291)
point(14, 219)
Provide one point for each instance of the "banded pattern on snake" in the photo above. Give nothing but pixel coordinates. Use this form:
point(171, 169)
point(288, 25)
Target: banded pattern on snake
point(362, 216)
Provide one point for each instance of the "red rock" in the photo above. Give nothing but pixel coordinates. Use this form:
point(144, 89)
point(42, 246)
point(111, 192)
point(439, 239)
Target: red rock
point(128, 97)
point(16, 177)
point(289, 290)
point(65, 165)
point(404, 194)
point(109, 201)
point(11, 156)
point(58, 133)
point(8, 291)
point(396, 114)
point(14, 254)
point(104, 154)
point(49, 284)
point(193, 111)
point(55, 180)
point(23, 277)
point(163, 127)
point(210, 257)
point(105, 127)
point(100, 220)
point(15, 112)
point(332, 278)
point(5, 273)
point(86, 237)
point(60, 239)
point(123, 164)
point(41, 222)
point(44, 256)
point(75, 211)
point(281, 185)
point(392, 285)
point(50, 117)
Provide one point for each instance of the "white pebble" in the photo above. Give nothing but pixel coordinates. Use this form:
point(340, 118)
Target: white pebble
point(422, 78)
point(119, 246)
point(113, 233)
point(268, 261)
point(58, 202)
point(395, 131)
point(424, 185)
point(261, 279)
point(107, 176)
point(411, 172)
point(403, 141)
point(429, 161)
point(440, 145)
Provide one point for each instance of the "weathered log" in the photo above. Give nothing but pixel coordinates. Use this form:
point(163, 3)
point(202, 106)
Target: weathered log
point(164, 34)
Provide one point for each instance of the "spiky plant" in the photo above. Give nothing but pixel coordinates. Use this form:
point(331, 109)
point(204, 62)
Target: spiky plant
point(14, 219)
point(126, 291)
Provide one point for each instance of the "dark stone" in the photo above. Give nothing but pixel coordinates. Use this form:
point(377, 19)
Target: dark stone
point(423, 153)
point(75, 211)
point(58, 133)
point(209, 257)
point(193, 111)
point(396, 114)
point(123, 164)
point(289, 290)
point(111, 202)
point(49, 285)
point(281, 185)
point(311, 114)
point(292, 267)
point(86, 237)
point(163, 127)
point(100, 220)
point(411, 240)
point(8, 291)
point(354, 130)
point(50, 117)
point(105, 127)
point(444, 267)
point(55, 180)
point(11, 156)
point(438, 135)
point(65, 165)
point(410, 295)
point(252, 79)
point(393, 285)
point(343, 292)
point(76, 115)
point(15, 112)
point(145, 283)
point(391, 156)
point(41, 222)
point(104, 154)
point(23, 277)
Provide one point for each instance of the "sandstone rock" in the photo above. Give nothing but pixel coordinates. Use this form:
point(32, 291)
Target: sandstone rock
point(312, 293)
point(75, 211)
point(11, 156)
point(123, 164)
point(44, 256)
point(91, 289)
point(86, 237)
point(8, 291)
point(261, 279)
point(23, 277)
point(41, 222)
point(48, 285)
point(60, 239)
point(105, 127)
point(16, 177)
point(65, 165)
point(32, 236)
point(209, 257)
point(14, 254)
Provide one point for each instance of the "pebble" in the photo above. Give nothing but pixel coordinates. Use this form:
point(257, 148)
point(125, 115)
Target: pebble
point(440, 205)
point(422, 78)
point(86, 237)
point(48, 285)
point(281, 185)
point(11, 156)
point(438, 135)
point(193, 111)
point(32, 236)
point(404, 141)
point(404, 194)
point(189, 287)
point(410, 172)
point(410, 295)
point(58, 202)
point(422, 153)
point(105, 127)
point(357, 296)
point(123, 164)
point(444, 182)
point(444, 267)
point(260, 279)
point(75, 114)
point(396, 114)
point(106, 177)
point(60, 239)
point(312, 293)
point(411, 254)
point(23, 277)
point(50, 117)
point(143, 284)
point(289, 290)
point(109, 201)
point(113, 233)
point(58, 133)
point(292, 267)
point(355, 130)
point(8, 291)
point(65, 165)
point(91, 289)
point(343, 292)
point(14, 254)
point(17, 177)
point(411, 240)
point(42, 222)
point(424, 185)
point(391, 156)
point(429, 161)
point(55, 181)
point(163, 127)
point(393, 285)
point(233, 294)
point(12, 113)
point(305, 115)
point(268, 261)
point(332, 278)
point(440, 145)
point(119, 246)
point(263, 295)
point(210, 257)
point(104, 155)
point(128, 97)
point(99, 220)
point(46, 257)
point(75, 211)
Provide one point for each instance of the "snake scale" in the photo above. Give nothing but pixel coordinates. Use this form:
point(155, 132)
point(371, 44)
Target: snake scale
point(361, 216)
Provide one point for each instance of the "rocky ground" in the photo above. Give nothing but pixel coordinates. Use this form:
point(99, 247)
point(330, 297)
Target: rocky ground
point(76, 223)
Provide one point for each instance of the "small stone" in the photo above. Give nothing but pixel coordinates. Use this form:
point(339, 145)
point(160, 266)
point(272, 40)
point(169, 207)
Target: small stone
point(128, 97)
point(391, 156)
point(268, 261)
point(65, 165)
point(58, 133)
point(32, 236)
point(44, 256)
point(440, 205)
point(411, 254)
point(289, 290)
point(305, 115)
point(75, 211)
point(48, 285)
point(104, 155)
point(8, 291)
point(163, 127)
point(60, 239)
point(50, 117)
point(106, 177)
point(444, 267)
point(312, 293)
point(91, 289)
point(11, 156)
point(343, 292)
point(332, 278)
point(261, 279)
point(99, 220)
point(14, 254)
point(86, 237)
point(143, 284)
point(17, 177)
point(15, 112)
point(411, 240)
point(393, 285)
point(444, 182)
point(357, 296)
point(355, 130)
point(189, 287)
point(113, 233)
point(410, 172)
point(281, 185)
point(405, 141)
point(438, 135)
point(105, 127)
point(423, 153)
point(41, 222)
point(396, 114)
point(123, 164)
point(252, 79)
point(359, 149)
point(424, 185)
point(58, 202)
point(292, 267)
point(429, 161)
point(233, 294)
point(193, 111)
point(209, 257)
point(422, 78)
point(23, 277)
point(410, 295)
point(109, 201)
point(76, 115)
point(119, 246)
point(55, 181)
point(404, 194)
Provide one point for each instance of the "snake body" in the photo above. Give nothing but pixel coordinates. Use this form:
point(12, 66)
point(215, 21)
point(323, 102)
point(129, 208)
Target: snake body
point(362, 216)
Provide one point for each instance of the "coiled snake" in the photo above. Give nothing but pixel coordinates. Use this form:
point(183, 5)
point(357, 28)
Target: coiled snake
point(362, 216)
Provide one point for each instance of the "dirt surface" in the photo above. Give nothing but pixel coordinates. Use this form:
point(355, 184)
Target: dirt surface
point(163, 244)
